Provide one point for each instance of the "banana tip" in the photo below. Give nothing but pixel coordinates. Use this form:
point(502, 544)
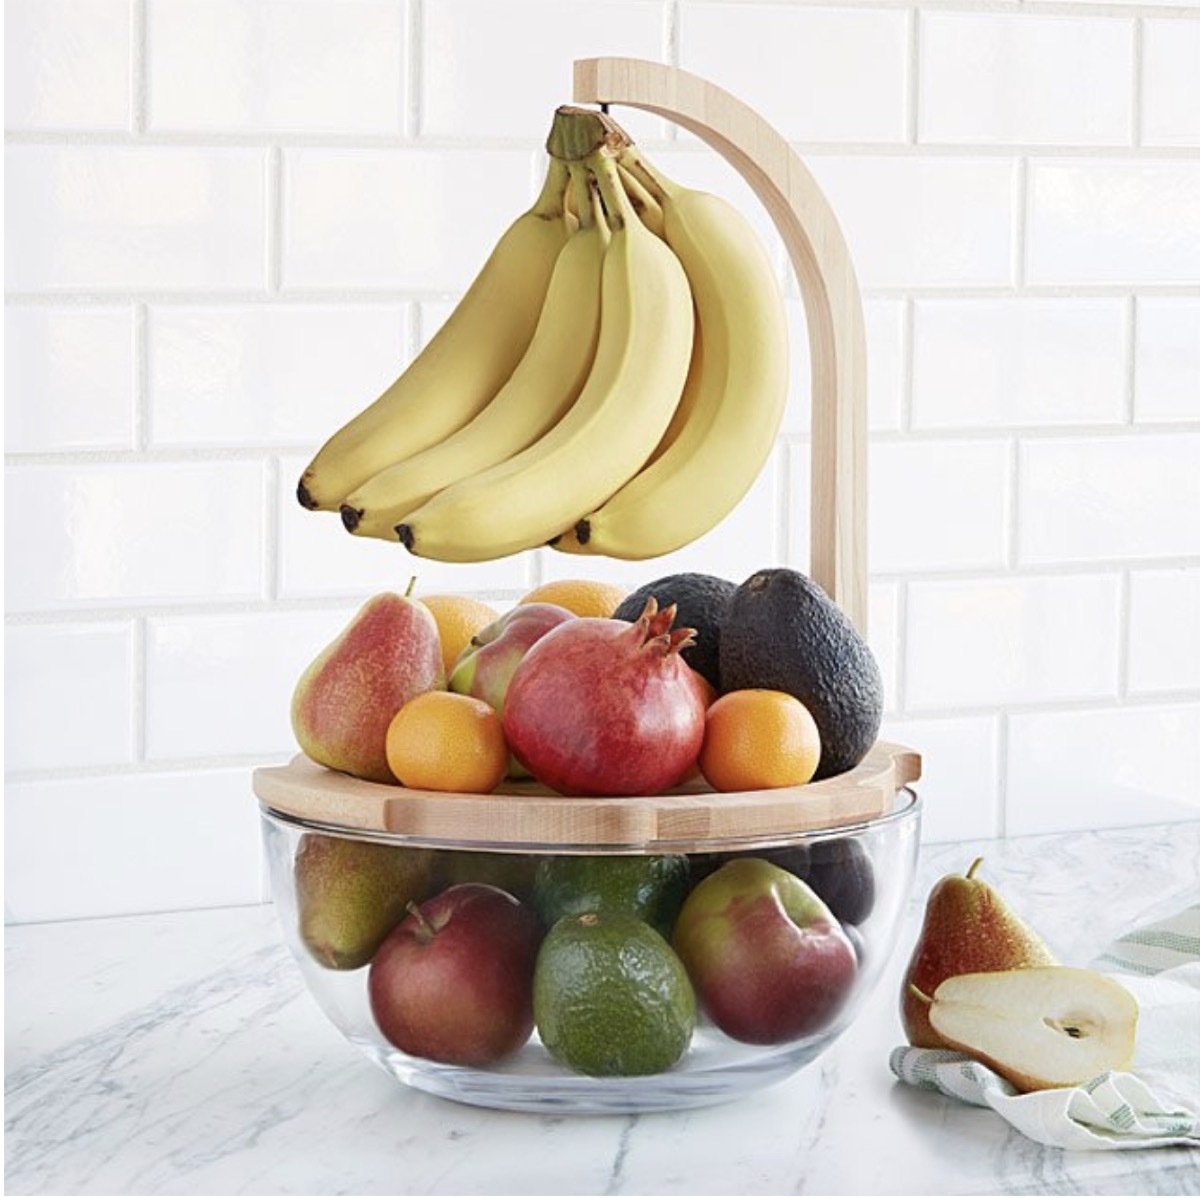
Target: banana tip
point(405, 533)
point(583, 531)
point(305, 499)
point(350, 517)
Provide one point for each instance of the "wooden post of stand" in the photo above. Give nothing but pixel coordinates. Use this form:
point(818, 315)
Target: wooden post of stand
point(832, 303)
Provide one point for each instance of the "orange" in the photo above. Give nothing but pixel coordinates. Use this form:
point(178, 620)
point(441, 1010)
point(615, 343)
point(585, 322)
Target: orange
point(444, 741)
point(584, 597)
point(458, 620)
point(758, 739)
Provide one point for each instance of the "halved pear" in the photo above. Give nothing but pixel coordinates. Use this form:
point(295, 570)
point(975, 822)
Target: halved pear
point(1041, 1028)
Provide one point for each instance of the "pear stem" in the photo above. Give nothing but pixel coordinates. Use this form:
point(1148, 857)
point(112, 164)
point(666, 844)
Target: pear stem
point(919, 993)
point(974, 866)
point(412, 586)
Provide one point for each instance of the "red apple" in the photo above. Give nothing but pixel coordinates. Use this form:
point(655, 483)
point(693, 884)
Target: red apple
point(768, 959)
point(605, 707)
point(453, 982)
point(486, 666)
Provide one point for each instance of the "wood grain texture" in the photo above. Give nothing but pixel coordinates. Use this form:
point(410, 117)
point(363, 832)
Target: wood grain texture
point(527, 815)
point(828, 285)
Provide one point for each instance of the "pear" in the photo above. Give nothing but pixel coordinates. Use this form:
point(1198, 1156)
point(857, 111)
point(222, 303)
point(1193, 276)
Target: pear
point(341, 708)
point(1040, 1028)
point(351, 893)
point(968, 928)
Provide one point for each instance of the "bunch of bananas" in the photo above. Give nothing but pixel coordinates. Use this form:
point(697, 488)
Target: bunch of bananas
point(612, 382)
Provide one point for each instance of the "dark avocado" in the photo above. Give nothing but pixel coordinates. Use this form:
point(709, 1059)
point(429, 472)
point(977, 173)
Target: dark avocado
point(701, 601)
point(782, 632)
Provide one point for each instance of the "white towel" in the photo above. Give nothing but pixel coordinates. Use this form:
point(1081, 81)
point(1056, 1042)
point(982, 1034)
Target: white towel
point(1157, 1103)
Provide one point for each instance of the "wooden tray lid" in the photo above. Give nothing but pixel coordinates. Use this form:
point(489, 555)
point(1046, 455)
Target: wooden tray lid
point(528, 816)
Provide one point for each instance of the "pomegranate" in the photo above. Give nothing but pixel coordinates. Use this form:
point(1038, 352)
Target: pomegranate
point(605, 707)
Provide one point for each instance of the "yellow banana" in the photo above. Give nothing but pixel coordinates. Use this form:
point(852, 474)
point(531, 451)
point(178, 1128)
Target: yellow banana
point(464, 365)
point(646, 327)
point(545, 384)
point(728, 419)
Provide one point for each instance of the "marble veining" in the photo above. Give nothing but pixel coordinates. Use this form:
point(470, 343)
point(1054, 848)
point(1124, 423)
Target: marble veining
point(181, 1054)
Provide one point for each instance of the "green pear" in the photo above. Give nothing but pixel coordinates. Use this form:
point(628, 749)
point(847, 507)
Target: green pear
point(351, 893)
point(968, 928)
point(389, 653)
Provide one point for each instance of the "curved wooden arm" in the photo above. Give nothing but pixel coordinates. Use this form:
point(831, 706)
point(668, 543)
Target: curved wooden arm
point(828, 286)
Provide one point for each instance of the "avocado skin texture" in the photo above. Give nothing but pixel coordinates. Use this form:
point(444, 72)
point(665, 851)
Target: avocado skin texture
point(701, 602)
point(782, 632)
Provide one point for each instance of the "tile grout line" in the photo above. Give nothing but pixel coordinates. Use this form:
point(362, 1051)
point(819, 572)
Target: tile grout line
point(1001, 736)
point(913, 83)
point(274, 217)
point(139, 81)
point(138, 700)
point(1138, 80)
point(142, 417)
point(414, 75)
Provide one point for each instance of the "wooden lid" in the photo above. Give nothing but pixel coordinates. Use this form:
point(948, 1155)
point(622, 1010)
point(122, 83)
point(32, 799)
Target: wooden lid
point(529, 816)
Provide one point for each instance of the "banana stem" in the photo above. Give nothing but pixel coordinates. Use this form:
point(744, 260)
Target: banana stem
point(551, 202)
point(617, 207)
point(581, 195)
point(655, 182)
point(645, 205)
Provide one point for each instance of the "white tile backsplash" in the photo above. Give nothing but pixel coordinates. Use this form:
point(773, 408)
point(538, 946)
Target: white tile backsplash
point(194, 706)
point(960, 775)
point(86, 217)
point(68, 64)
point(1113, 221)
point(1012, 78)
point(1110, 767)
point(938, 505)
point(1171, 83)
point(946, 221)
point(522, 85)
point(1164, 630)
point(423, 220)
point(1088, 500)
point(1167, 377)
point(265, 375)
point(53, 357)
point(96, 534)
point(313, 66)
point(127, 843)
point(228, 221)
point(76, 700)
point(817, 74)
point(1002, 363)
point(996, 642)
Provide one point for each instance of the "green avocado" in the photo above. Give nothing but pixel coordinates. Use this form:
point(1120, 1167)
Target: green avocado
point(701, 601)
point(611, 998)
point(782, 632)
point(649, 888)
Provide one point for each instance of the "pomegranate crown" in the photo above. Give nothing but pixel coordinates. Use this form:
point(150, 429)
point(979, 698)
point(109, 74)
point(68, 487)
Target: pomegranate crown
point(652, 630)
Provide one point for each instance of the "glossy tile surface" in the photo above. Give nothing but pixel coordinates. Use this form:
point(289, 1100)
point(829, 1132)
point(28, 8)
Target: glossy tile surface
point(1011, 640)
point(90, 217)
point(197, 526)
point(1167, 379)
point(1171, 83)
point(267, 375)
point(68, 64)
point(420, 219)
point(1164, 630)
point(1113, 497)
point(69, 693)
point(1114, 222)
point(816, 74)
point(1012, 78)
point(987, 363)
point(69, 378)
point(260, 65)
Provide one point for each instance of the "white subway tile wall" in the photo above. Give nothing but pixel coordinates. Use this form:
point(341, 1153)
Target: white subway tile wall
point(230, 223)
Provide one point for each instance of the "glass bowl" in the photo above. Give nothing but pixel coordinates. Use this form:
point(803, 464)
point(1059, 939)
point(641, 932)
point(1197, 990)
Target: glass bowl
point(862, 871)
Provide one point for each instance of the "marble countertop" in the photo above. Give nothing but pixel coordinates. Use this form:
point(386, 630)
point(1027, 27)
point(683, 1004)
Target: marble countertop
point(180, 1054)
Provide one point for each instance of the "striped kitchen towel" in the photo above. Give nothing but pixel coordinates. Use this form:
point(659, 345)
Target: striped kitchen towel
point(1158, 1103)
